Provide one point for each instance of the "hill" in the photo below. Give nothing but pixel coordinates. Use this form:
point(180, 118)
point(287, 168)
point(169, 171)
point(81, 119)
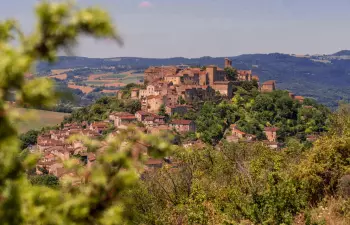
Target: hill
point(324, 78)
point(342, 52)
point(42, 119)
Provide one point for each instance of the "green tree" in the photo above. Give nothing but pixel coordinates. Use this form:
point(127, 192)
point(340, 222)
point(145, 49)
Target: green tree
point(28, 138)
point(231, 73)
point(98, 199)
point(162, 111)
point(46, 180)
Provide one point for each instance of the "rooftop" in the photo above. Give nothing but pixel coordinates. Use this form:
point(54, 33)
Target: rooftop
point(271, 129)
point(181, 122)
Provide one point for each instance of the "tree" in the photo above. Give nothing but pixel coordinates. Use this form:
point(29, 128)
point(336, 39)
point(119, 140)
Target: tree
point(231, 73)
point(162, 111)
point(29, 138)
point(46, 180)
point(98, 199)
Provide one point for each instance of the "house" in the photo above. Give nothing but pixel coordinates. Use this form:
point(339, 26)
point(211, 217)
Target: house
point(135, 93)
point(150, 90)
point(124, 119)
point(311, 138)
point(255, 77)
point(141, 115)
point(175, 79)
point(268, 86)
point(177, 109)
point(183, 126)
point(299, 98)
point(224, 88)
point(154, 103)
point(238, 135)
point(154, 74)
point(158, 129)
point(154, 163)
point(244, 75)
point(236, 132)
point(99, 126)
point(271, 133)
point(272, 144)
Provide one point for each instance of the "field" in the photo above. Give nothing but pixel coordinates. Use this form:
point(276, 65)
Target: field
point(39, 119)
point(84, 89)
point(58, 72)
point(62, 76)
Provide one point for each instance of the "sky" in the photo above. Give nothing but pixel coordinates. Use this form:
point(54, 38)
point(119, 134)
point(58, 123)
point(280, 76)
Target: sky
point(195, 28)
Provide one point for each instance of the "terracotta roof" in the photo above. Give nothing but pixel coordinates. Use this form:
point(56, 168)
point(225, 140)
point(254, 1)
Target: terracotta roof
point(299, 98)
point(154, 96)
point(255, 77)
point(239, 131)
point(244, 72)
point(91, 156)
point(154, 162)
point(271, 129)
point(149, 118)
point(143, 113)
point(127, 117)
point(269, 82)
point(233, 126)
point(99, 125)
point(181, 122)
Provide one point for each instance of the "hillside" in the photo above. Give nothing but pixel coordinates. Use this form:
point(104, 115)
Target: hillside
point(42, 119)
point(309, 76)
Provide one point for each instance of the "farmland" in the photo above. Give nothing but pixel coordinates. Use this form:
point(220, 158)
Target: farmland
point(39, 119)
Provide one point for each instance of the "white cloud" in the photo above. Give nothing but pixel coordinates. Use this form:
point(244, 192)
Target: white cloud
point(145, 4)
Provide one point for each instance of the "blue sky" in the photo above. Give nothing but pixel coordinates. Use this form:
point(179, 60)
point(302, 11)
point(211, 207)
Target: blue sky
point(194, 28)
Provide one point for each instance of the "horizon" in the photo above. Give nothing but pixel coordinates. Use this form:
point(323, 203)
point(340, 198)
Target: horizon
point(191, 29)
point(232, 56)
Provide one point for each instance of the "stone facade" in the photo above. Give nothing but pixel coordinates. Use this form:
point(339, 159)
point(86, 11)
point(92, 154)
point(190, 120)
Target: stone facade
point(183, 126)
point(268, 86)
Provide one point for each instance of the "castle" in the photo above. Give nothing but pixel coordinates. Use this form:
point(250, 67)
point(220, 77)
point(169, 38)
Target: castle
point(167, 84)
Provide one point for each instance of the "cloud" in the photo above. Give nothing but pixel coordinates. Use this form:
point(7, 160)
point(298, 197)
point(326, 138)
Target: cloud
point(145, 4)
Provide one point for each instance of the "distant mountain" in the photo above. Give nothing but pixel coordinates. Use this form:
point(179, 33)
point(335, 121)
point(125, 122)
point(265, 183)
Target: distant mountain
point(342, 52)
point(325, 78)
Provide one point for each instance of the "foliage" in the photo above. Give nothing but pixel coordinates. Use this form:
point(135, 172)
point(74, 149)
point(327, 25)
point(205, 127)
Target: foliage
point(98, 199)
point(231, 73)
point(162, 111)
point(45, 179)
point(252, 184)
point(252, 111)
point(102, 108)
point(29, 138)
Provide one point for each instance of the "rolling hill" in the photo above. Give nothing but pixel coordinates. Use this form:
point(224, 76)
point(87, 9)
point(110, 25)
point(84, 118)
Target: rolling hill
point(325, 78)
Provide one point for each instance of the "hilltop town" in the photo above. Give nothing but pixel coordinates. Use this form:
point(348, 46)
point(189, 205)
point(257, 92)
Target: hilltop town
point(168, 95)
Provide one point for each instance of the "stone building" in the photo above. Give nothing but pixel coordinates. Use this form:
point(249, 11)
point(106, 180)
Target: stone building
point(271, 133)
point(244, 75)
point(154, 103)
point(123, 119)
point(135, 93)
point(183, 126)
point(177, 109)
point(268, 86)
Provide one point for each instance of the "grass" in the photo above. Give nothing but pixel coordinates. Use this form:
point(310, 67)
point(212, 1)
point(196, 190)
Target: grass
point(134, 79)
point(39, 119)
point(117, 76)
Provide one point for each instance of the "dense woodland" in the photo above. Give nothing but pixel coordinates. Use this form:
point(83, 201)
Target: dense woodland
point(252, 184)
